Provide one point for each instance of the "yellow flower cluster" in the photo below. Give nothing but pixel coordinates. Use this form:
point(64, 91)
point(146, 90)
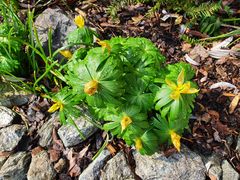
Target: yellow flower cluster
point(180, 87)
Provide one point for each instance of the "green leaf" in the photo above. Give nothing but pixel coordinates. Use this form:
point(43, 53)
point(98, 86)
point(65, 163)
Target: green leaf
point(81, 36)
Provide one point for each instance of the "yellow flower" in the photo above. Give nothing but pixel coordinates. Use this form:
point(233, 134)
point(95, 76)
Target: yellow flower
point(138, 144)
point(57, 105)
point(175, 140)
point(66, 53)
point(79, 21)
point(104, 45)
point(91, 87)
point(180, 87)
point(125, 122)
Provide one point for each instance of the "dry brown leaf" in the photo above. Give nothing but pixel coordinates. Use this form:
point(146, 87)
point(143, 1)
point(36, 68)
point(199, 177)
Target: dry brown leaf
point(221, 72)
point(222, 60)
point(57, 144)
point(234, 103)
point(229, 94)
point(80, 12)
point(186, 47)
point(83, 152)
point(74, 169)
point(137, 19)
point(198, 51)
point(105, 24)
point(111, 149)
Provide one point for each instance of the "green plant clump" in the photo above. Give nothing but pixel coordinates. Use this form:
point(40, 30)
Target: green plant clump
point(126, 83)
point(123, 81)
point(11, 54)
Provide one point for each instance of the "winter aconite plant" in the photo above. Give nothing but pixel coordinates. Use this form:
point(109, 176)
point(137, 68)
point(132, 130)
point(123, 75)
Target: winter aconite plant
point(125, 82)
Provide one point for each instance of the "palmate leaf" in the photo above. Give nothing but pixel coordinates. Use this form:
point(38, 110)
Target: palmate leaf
point(66, 100)
point(163, 127)
point(108, 77)
point(81, 36)
point(135, 128)
point(181, 107)
point(136, 93)
point(150, 143)
point(144, 57)
point(175, 69)
point(175, 98)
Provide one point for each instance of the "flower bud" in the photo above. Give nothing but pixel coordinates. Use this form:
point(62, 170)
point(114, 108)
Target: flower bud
point(91, 87)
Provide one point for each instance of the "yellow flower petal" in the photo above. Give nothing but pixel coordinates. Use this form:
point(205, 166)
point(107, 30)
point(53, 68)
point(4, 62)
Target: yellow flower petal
point(175, 95)
point(55, 107)
point(171, 84)
point(91, 87)
point(184, 87)
point(138, 144)
point(79, 21)
point(175, 140)
point(191, 91)
point(125, 122)
point(66, 53)
point(180, 79)
point(104, 45)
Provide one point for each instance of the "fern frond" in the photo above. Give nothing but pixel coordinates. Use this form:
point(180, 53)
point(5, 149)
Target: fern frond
point(189, 40)
point(203, 10)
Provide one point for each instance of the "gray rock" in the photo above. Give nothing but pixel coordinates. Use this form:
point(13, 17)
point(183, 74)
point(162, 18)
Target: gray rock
point(11, 96)
point(2, 160)
point(93, 170)
point(69, 134)
point(6, 116)
point(60, 25)
point(185, 165)
point(117, 169)
point(16, 167)
point(10, 136)
point(45, 132)
point(229, 172)
point(41, 167)
point(213, 166)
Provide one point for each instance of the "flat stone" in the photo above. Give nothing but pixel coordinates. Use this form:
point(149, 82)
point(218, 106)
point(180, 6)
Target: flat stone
point(41, 167)
point(16, 167)
point(60, 25)
point(69, 134)
point(10, 136)
point(117, 169)
point(94, 169)
point(185, 165)
point(45, 132)
point(213, 166)
point(11, 96)
point(6, 116)
point(228, 172)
